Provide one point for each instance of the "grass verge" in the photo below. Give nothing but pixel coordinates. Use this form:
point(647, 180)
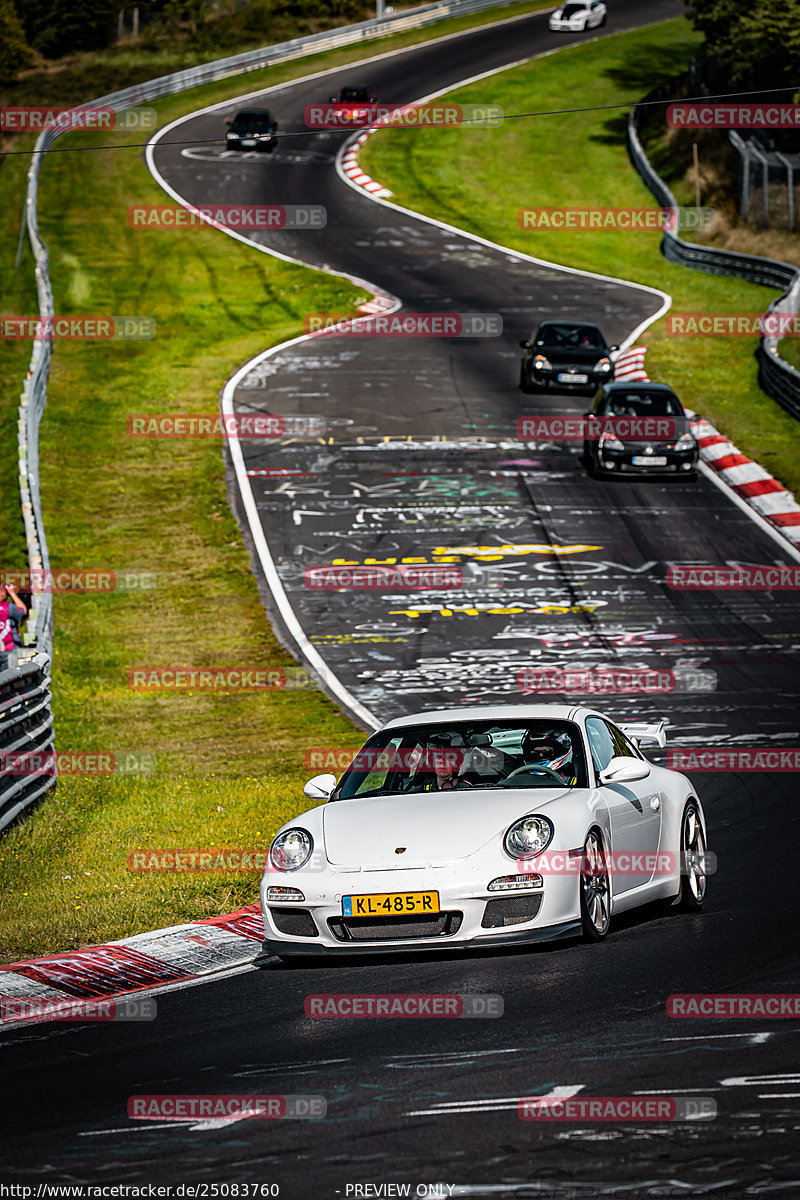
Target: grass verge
point(229, 766)
point(479, 181)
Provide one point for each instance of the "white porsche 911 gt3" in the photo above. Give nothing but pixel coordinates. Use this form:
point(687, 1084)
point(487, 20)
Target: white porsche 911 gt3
point(484, 826)
point(577, 15)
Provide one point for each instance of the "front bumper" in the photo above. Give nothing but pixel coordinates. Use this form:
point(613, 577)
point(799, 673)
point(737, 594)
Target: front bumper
point(469, 914)
point(511, 937)
point(620, 462)
point(547, 379)
point(250, 143)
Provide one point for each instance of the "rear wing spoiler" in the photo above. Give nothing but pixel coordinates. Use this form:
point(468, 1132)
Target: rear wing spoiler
point(644, 731)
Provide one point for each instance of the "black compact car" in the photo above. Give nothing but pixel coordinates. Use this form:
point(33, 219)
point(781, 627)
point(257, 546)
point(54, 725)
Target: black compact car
point(624, 415)
point(566, 356)
point(252, 129)
point(355, 94)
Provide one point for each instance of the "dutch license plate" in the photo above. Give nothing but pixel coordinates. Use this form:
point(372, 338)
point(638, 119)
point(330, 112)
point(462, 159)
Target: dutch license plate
point(248, 141)
point(573, 378)
point(390, 904)
point(649, 460)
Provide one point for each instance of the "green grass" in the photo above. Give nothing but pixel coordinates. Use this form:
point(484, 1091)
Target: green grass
point(479, 180)
point(229, 766)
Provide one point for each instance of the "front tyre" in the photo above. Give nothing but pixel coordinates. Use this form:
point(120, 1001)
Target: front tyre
point(694, 878)
point(595, 889)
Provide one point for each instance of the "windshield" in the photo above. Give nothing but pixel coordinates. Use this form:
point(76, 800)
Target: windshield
point(574, 337)
point(353, 95)
point(572, 10)
point(640, 402)
point(485, 754)
point(249, 120)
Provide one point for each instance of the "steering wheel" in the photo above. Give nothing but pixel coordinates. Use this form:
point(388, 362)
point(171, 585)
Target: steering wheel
point(533, 771)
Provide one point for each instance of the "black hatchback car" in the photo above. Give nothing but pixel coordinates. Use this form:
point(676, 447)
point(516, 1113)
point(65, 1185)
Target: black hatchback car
point(565, 356)
point(639, 428)
point(252, 129)
point(357, 93)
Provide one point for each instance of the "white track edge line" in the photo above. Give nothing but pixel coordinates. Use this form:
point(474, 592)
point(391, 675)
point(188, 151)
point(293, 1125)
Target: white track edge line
point(784, 543)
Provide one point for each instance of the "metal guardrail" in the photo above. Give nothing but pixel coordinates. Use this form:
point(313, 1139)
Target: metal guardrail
point(16, 795)
point(777, 377)
point(26, 726)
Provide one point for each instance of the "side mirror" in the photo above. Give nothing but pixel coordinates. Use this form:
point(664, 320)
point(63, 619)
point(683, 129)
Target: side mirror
point(227, 120)
point(613, 348)
point(320, 787)
point(625, 770)
point(525, 345)
point(334, 100)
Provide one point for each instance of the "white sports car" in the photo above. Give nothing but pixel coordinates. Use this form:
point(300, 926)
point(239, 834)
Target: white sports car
point(578, 15)
point(484, 826)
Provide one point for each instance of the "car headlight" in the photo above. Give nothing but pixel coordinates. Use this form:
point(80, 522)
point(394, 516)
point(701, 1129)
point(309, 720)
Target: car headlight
point(291, 849)
point(529, 836)
point(540, 363)
point(231, 136)
point(685, 442)
point(609, 442)
point(603, 365)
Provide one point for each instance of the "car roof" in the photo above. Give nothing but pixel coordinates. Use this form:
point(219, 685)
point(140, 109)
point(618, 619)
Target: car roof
point(618, 385)
point(254, 112)
point(567, 321)
point(489, 712)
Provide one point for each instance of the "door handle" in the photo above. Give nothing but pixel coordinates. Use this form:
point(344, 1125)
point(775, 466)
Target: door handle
point(655, 804)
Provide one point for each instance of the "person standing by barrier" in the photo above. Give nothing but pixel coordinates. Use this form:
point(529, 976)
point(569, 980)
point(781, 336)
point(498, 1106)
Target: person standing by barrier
point(12, 611)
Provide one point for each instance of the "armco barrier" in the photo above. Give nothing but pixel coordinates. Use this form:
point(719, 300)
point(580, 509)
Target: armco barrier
point(39, 626)
point(26, 724)
point(777, 377)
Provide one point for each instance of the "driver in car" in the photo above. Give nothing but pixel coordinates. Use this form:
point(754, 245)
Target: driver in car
point(448, 770)
point(551, 750)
